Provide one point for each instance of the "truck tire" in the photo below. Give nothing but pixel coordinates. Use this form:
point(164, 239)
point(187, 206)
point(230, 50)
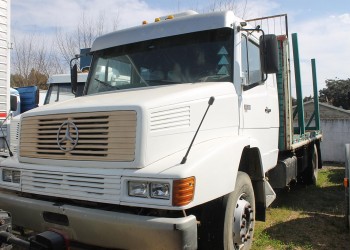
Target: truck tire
point(240, 215)
point(311, 172)
point(228, 223)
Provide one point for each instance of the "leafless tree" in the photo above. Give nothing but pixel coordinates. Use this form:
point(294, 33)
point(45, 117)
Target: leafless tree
point(33, 61)
point(34, 58)
point(239, 7)
point(86, 31)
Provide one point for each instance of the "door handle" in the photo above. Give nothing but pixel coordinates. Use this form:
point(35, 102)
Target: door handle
point(267, 110)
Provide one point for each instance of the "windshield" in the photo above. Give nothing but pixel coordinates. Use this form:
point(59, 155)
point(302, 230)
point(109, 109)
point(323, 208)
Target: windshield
point(195, 57)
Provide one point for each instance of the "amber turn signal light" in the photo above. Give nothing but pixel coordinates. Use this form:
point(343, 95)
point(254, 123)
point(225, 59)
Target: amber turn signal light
point(183, 191)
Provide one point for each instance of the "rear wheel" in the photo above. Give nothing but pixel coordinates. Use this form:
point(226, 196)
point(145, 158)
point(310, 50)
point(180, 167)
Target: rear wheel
point(311, 172)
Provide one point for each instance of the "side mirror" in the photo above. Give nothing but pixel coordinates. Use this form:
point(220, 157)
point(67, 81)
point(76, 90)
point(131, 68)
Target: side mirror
point(37, 97)
point(269, 54)
point(13, 103)
point(74, 78)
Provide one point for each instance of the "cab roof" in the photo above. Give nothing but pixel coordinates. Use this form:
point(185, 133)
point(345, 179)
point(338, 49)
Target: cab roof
point(183, 23)
point(65, 78)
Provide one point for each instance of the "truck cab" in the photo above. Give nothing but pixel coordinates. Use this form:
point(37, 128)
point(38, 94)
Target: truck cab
point(169, 146)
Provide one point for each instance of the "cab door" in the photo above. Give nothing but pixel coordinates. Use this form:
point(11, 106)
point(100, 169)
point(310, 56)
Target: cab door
point(258, 113)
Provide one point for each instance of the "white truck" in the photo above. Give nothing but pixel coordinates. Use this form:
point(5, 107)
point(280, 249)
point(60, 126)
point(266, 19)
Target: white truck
point(173, 144)
point(60, 88)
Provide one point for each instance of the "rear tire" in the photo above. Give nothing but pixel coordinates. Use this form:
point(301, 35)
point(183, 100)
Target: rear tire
point(311, 172)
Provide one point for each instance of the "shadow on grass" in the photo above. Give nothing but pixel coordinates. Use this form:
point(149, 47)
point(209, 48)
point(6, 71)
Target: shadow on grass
point(320, 223)
point(327, 198)
point(319, 231)
point(336, 175)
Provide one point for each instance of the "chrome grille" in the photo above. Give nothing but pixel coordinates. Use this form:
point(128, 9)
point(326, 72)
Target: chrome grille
point(103, 136)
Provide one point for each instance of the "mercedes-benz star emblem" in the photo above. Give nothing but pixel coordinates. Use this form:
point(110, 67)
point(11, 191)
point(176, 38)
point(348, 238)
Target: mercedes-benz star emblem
point(69, 139)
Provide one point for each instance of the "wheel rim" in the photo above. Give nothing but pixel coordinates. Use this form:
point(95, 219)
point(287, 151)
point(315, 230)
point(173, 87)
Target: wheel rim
point(242, 222)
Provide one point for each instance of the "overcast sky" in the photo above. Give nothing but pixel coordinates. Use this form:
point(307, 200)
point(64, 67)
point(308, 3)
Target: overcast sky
point(323, 26)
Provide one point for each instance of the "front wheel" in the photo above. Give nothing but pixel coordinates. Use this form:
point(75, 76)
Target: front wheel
point(240, 215)
point(228, 222)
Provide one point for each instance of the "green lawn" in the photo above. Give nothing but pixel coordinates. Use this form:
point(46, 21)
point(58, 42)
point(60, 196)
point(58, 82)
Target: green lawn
point(307, 217)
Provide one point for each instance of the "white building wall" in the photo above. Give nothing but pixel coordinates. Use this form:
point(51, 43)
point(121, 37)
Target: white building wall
point(4, 57)
point(336, 133)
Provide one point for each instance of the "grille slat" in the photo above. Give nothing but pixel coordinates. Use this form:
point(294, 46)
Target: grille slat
point(78, 186)
point(110, 140)
point(82, 135)
point(170, 119)
point(89, 146)
point(103, 136)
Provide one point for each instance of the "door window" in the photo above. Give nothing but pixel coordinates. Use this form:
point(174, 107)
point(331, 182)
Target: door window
point(251, 66)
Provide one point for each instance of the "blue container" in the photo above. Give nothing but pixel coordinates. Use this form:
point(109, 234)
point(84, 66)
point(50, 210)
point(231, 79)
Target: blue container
point(29, 97)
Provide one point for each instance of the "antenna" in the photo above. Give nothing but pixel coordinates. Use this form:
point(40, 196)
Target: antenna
point(210, 102)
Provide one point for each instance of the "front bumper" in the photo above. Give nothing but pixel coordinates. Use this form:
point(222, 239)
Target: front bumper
point(103, 228)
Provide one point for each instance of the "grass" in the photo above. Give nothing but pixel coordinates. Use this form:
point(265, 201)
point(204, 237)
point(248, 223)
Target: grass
point(307, 217)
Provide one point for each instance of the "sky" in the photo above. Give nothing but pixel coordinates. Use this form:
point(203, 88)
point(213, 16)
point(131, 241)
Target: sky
point(323, 27)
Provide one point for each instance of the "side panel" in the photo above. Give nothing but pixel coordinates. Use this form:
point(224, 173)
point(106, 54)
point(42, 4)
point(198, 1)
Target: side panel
point(4, 57)
point(4, 63)
point(260, 121)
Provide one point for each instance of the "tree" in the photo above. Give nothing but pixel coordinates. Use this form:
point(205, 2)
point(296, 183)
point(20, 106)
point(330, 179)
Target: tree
point(336, 93)
point(34, 78)
point(308, 98)
point(32, 61)
point(239, 7)
point(86, 31)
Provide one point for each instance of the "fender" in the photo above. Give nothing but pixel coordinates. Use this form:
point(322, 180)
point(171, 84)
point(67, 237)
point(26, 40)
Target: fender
point(214, 164)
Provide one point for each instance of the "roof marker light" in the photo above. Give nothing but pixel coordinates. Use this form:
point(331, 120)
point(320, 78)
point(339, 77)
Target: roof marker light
point(157, 19)
point(144, 22)
point(169, 17)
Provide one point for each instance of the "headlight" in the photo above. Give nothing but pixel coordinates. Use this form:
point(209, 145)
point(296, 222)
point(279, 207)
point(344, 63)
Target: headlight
point(137, 188)
point(160, 190)
point(6, 175)
point(9, 175)
point(145, 189)
point(16, 176)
